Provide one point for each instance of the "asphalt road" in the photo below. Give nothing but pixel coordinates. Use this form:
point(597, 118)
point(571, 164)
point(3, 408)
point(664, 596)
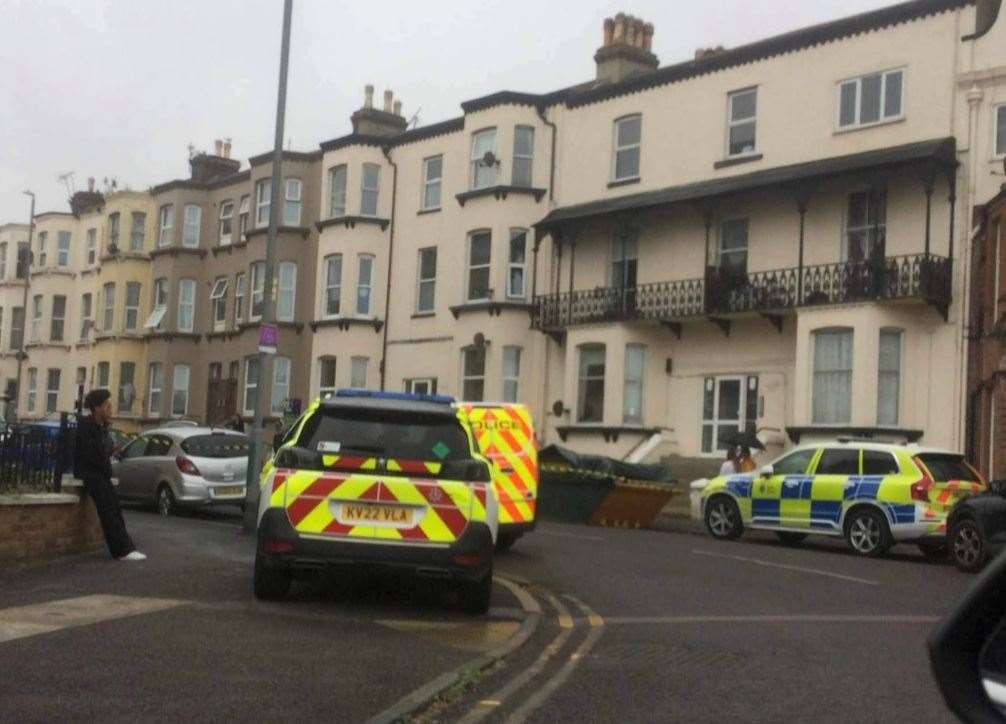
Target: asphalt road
point(628, 626)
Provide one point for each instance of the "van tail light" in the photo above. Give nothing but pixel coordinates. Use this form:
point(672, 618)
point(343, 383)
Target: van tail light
point(277, 546)
point(186, 466)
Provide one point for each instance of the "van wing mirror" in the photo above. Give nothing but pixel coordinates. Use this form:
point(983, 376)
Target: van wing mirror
point(766, 471)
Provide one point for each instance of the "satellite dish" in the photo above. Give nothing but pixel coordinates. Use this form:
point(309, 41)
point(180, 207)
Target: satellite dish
point(479, 339)
point(558, 408)
point(489, 159)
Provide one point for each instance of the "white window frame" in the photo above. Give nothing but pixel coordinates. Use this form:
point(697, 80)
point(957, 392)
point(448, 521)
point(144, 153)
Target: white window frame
point(582, 380)
point(248, 386)
point(630, 382)
point(263, 202)
point(218, 300)
point(63, 239)
point(361, 286)
point(513, 266)
point(52, 395)
point(155, 388)
point(733, 123)
point(358, 368)
point(180, 386)
point(43, 240)
point(239, 297)
point(286, 295)
point(511, 372)
point(226, 227)
point(476, 180)
point(323, 389)
point(292, 201)
point(621, 148)
point(121, 401)
point(899, 334)
point(186, 321)
point(280, 391)
point(192, 226)
point(432, 184)
point(137, 231)
point(744, 383)
point(108, 307)
point(370, 192)
point(92, 246)
point(61, 320)
point(332, 291)
point(114, 229)
point(868, 228)
point(858, 109)
point(467, 376)
point(816, 335)
point(421, 386)
point(32, 388)
point(104, 374)
point(422, 281)
point(257, 285)
point(522, 157)
point(131, 311)
point(3, 260)
point(86, 320)
point(165, 225)
point(488, 266)
point(36, 318)
point(159, 304)
point(337, 197)
point(244, 216)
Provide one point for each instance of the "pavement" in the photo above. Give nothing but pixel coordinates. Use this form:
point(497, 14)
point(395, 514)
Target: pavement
point(587, 624)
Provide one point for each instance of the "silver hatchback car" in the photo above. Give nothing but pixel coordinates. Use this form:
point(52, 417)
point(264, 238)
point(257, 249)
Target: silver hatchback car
point(178, 466)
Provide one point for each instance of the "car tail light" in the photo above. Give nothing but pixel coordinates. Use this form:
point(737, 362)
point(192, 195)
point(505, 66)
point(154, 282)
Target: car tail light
point(921, 487)
point(186, 466)
point(469, 559)
point(277, 546)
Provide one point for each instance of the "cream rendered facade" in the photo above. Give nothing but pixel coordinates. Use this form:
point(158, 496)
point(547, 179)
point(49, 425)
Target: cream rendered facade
point(11, 297)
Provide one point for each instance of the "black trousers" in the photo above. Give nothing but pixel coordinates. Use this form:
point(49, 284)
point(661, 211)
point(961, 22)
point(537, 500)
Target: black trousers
point(106, 502)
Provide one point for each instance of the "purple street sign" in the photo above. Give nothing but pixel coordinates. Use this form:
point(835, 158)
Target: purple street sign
point(268, 336)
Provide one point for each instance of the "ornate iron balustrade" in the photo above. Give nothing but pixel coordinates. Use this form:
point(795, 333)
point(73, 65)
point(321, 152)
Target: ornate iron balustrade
point(921, 276)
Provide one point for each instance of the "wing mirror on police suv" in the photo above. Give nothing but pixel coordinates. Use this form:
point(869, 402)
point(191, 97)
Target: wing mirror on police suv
point(766, 471)
point(968, 650)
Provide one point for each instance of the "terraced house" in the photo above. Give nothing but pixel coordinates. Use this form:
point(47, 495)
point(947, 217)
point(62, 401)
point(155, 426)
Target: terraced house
point(774, 237)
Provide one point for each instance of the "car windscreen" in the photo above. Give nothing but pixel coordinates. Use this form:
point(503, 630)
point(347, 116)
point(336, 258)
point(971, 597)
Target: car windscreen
point(216, 446)
point(394, 434)
point(946, 467)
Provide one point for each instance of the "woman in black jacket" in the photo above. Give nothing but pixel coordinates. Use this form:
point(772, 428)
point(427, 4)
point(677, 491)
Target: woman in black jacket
point(92, 464)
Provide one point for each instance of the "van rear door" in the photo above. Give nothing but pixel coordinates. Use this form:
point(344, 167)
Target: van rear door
point(505, 435)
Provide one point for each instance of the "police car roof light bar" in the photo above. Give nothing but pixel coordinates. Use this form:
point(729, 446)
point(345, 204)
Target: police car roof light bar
point(403, 396)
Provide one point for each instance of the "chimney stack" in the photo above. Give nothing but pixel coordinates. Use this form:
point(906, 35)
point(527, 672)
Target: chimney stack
point(703, 53)
point(212, 166)
point(369, 121)
point(627, 49)
point(90, 184)
point(218, 147)
point(227, 148)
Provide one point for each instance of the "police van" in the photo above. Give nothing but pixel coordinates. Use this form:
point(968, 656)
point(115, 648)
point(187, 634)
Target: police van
point(872, 494)
point(386, 481)
point(504, 432)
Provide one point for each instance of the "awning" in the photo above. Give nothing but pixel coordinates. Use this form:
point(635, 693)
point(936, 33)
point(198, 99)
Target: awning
point(941, 152)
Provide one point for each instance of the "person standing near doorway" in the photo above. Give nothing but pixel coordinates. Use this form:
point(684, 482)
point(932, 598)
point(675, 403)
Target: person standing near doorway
point(92, 464)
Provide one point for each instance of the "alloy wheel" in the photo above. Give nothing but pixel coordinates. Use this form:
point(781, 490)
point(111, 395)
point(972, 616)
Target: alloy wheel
point(721, 519)
point(967, 545)
point(864, 534)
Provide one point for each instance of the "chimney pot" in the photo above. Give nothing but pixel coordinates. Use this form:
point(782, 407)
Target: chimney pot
point(388, 96)
point(218, 145)
point(90, 183)
point(619, 36)
point(368, 96)
point(647, 36)
point(227, 148)
point(398, 108)
point(609, 31)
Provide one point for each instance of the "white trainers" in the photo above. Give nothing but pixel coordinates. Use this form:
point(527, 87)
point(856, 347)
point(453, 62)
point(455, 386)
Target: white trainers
point(134, 556)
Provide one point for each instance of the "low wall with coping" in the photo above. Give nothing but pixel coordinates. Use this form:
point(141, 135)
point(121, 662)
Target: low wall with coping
point(35, 526)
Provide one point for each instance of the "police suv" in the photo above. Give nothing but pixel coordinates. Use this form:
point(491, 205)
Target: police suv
point(386, 481)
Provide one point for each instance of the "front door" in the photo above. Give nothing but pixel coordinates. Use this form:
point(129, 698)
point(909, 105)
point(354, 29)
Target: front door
point(730, 404)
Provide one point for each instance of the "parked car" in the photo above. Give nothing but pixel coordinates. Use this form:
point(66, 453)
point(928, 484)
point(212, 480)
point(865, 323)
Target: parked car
point(976, 529)
point(183, 467)
point(872, 494)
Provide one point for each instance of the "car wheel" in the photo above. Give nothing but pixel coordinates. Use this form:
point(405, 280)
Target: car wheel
point(967, 546)
point(473, 596)
point(933, 551)
point(166, 505)
point(505, 541)
point(867, 533)
point(270, 584)
point(723, 518)
point(789, 538)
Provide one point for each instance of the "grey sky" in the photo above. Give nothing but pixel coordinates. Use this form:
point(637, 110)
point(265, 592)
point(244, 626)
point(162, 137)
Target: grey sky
point(120, 88)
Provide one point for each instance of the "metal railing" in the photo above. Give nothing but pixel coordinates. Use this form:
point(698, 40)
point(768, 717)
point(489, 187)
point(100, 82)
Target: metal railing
point(922, 276)
point(34, 457)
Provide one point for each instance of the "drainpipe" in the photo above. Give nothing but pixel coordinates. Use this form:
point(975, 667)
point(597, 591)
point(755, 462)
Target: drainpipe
point(551, 156)
point(386, 150)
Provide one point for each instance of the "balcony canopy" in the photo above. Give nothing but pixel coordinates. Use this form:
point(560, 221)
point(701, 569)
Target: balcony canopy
point(940, 153)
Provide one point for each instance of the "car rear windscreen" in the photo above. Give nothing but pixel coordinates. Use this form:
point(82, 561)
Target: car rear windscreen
point(385, 434)
point(944, 467)
point(216, 446)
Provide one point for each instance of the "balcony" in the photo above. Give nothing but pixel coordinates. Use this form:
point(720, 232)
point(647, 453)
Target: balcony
point(924, 277)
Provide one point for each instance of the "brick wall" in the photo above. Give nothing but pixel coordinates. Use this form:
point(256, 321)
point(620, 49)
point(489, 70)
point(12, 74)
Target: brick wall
point(36, 527)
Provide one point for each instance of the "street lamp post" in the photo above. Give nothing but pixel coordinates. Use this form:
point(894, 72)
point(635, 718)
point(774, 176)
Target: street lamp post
point(263, 389)
point(24, 264)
